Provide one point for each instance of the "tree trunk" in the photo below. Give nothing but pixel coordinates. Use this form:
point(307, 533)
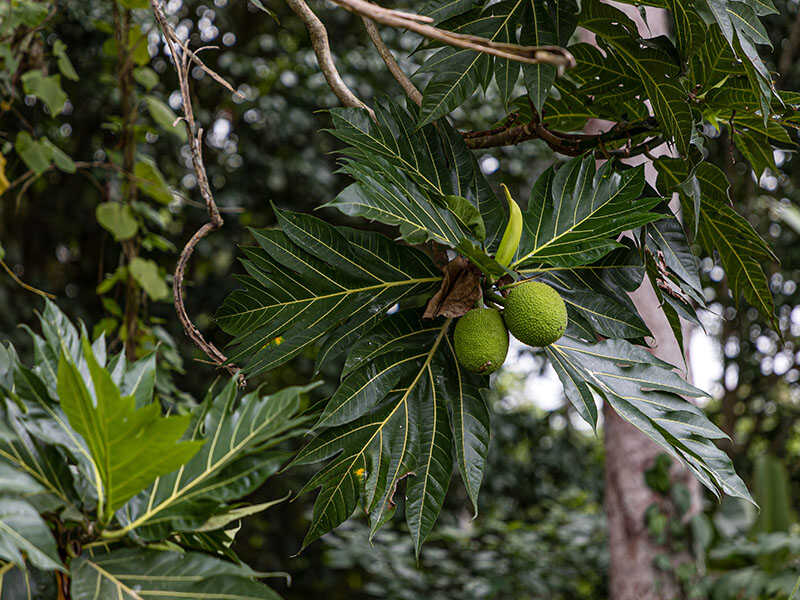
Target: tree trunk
point(633, 573)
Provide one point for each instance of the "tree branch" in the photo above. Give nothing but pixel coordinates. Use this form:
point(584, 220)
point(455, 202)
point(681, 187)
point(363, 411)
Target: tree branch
point(552, 55)
point(408, 87)
point(322, 48)
point(569, 144)
point(182, 61)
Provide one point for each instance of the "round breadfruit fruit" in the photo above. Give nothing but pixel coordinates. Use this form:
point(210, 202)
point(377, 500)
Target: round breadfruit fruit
point(535, 313)
point(481, 340)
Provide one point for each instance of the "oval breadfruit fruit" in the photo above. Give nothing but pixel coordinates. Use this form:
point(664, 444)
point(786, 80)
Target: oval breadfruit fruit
point(481, 340)
point(535, 313)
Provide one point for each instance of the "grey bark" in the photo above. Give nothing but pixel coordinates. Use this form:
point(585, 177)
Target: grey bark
point(629, 453)
point(633, 574)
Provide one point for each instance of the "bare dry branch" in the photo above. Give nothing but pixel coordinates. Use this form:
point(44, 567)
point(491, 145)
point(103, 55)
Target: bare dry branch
point(322, 48)
point(182, 59)
point(408, 87)
point(552, 55)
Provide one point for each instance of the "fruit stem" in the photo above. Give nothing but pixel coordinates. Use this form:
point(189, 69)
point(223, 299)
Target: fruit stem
point(495, 298)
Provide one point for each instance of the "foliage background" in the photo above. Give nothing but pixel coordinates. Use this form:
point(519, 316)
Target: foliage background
point(543, 496)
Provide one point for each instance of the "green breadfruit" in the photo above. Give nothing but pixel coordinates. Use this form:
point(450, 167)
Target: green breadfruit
point(535, 314)
point(481, 340)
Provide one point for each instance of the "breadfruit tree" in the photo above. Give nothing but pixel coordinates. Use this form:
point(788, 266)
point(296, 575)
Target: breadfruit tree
point(411, 305)
point(414, 317)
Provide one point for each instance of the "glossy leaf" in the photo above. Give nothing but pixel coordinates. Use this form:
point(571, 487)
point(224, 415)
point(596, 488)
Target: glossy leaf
point(646, 392)
point(721, 229)
point(392, 150)
point(657, 70)
point(311, 284)
point(575, 213)
point(545, 23)
point(136, 573)
point(379, 431)
point(114, 431)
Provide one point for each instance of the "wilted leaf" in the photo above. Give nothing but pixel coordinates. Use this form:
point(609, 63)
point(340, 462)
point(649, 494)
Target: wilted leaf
point(459, 292)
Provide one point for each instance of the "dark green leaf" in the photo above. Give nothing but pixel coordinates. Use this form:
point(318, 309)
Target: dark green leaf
point(646, 392)
point(574, 214)
point(310, 280)
point(657, 71)
point(720, 228)
point(390, 151)
point(545, 24)
point(136, 573)
point(390, 421)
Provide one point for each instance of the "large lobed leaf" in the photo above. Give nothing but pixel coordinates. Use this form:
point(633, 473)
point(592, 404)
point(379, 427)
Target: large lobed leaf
point(656, 69)
point(721, 230)
point(129, 446)
point(238, 438)
point(79, 427)
point(42, 432)
point(405, 173)
point(456, 73)
point(313, 285)
point(574, 213)
point(137, 573)
point(405, 409)
point(646, 392)
point(22, 529)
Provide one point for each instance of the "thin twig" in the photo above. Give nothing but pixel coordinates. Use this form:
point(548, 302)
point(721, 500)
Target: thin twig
point(322, 48)
point(552, 55)
point(408, 87)
point(182, 61)
point(24, 285)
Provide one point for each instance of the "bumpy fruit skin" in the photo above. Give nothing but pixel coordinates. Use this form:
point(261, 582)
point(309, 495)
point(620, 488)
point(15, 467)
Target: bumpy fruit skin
point(481, 340)
point(535, 313)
